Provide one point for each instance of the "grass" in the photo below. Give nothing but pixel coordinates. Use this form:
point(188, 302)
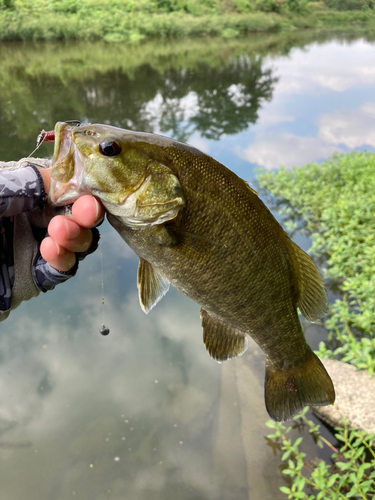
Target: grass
point(130, 20)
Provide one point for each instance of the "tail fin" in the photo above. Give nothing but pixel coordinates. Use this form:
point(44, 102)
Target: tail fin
point(288, 391)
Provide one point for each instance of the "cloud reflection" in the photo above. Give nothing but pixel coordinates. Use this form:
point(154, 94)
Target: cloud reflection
point(305, 121)
point(334, 66)
point(286, 149)
point(352, 128)
point(133, 414)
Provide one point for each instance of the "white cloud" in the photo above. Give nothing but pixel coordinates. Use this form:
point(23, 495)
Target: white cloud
point(330, 66)
point(353, 128)
point(269, 117)
point(199, 143)
point(286, 149)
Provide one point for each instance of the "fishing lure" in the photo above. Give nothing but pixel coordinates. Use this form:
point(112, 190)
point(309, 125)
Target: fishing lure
point(49, 136)
point(45, 137)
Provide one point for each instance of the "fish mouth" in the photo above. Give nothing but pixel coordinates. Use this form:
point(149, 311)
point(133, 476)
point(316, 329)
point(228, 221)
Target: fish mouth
point(67, 168)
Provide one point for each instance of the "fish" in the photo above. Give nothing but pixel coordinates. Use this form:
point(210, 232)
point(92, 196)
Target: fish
point(197, 226)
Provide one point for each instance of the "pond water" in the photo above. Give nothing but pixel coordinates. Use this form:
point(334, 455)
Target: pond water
point(145, 412)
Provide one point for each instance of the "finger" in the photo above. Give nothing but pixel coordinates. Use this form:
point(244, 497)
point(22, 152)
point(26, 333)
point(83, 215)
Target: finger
point(69, 235)
point(58, 257)
point(87, 211)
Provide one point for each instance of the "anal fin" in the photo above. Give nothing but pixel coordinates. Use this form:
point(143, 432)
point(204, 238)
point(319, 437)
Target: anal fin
point(151, 285)
point(222, 341)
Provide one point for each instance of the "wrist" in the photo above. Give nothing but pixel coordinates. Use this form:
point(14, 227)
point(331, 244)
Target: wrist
point(46, 177)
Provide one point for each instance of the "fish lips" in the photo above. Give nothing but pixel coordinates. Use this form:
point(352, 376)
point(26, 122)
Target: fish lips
point(67, 168)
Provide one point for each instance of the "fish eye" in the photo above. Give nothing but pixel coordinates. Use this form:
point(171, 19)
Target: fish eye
point(109, 148)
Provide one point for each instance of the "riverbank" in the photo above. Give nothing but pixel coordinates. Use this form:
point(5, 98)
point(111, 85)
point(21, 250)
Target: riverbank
point(121, 21)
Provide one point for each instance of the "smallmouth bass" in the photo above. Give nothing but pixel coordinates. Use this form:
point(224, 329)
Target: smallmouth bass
point(196, 225)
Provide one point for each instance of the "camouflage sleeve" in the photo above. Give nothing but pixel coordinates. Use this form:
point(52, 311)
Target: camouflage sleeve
point(47, 277)
point(21, 190)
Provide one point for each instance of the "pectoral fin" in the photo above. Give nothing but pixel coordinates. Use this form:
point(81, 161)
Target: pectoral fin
point(193, 246)
point(151, 285)
point(222, 341)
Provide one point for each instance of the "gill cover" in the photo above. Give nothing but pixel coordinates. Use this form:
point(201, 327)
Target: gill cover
point(108, 163)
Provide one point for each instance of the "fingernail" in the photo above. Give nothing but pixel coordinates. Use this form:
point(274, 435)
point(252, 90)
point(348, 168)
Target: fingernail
point(58, 252)
point(72, 230)
point(99, 214)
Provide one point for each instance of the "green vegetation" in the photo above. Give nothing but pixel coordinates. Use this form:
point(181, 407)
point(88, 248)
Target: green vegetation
point(350, 473)
point(336, 202)
point(132, 20)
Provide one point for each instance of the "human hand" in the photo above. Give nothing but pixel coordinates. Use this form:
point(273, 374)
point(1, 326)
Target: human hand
point(67, 236)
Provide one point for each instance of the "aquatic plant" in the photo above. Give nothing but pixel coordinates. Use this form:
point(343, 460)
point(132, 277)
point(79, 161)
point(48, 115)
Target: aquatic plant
point(350, 474)
point(334, 203)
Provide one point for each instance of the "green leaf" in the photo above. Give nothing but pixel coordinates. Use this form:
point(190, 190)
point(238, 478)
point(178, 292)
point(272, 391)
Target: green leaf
point(271, 424)
point(362, 469)
point(288, 472)
point(285, 455)
point(343, 465)
point(298, 441)
point(352, 492)
point(299, 494)
point(366, 485)
point(301, 483)
point(359, 452)
point(331, 480)
point(285, 490)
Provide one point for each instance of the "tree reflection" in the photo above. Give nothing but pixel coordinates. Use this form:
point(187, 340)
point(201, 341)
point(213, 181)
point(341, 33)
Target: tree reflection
point(227, 98)
point(212, 98)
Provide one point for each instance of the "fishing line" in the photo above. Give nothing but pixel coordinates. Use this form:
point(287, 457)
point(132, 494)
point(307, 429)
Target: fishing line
point(104, 330)
point(39, 142)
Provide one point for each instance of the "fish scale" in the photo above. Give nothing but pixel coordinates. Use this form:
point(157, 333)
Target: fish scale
point(197, 226)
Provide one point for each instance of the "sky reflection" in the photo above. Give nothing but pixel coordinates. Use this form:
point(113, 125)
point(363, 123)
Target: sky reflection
point(323, 103)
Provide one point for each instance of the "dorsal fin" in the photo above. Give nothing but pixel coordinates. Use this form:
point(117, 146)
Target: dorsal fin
point(151, 285)
point(251, 189)
point(312, 299)
point(222, 341)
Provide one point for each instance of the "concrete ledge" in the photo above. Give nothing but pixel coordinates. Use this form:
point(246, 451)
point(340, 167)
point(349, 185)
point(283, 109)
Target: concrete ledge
point(355, 397)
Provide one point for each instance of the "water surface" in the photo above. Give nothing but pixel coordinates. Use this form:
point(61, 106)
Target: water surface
point(144, 412)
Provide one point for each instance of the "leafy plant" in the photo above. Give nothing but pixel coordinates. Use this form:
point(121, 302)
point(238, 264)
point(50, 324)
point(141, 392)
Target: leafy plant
point(351, 473)
point(133, 20)
point(6, 4)
point(348, 4)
